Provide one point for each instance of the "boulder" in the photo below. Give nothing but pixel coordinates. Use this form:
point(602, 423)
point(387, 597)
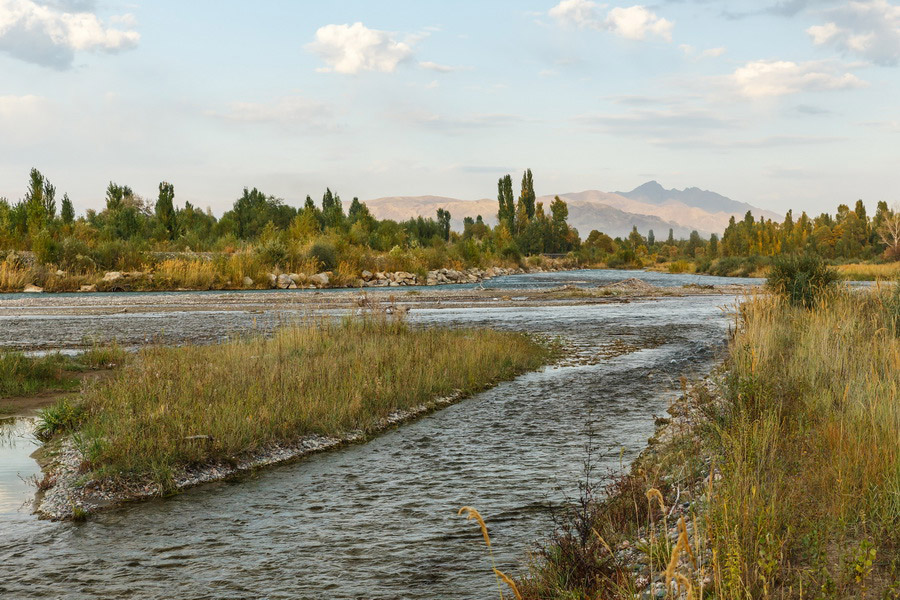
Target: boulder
point(33, 289)
point(113, 276)
point(247, 281)
point(319, 280)
point(366, 275)
point(273, 279)
point(298, 278)
point(88, 288)
point(284, 281)
point(60, 273)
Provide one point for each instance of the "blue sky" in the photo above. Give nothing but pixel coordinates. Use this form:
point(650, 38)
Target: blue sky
point(788, 104)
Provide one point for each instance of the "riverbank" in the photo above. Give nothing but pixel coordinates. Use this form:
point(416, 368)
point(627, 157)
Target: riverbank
point(176, 417)
point(778, 477)
point(203, 274)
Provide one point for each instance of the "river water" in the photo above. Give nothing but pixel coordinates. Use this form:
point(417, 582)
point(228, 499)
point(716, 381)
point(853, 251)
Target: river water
point(379, 520)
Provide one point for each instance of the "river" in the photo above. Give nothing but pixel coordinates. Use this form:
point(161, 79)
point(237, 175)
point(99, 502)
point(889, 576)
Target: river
point(379, 520)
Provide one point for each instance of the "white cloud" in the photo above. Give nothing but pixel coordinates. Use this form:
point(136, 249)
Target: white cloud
point(633, 23)
point(869, 29)
point(48, 34)
point(765, 78)
point(293, 110)
point(350, 49)
point(433, 66)
point(691, 52)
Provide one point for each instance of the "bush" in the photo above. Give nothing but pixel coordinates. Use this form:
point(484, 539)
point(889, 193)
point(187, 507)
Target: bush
point(802, 280)
point(325, 254)
point(46, 249)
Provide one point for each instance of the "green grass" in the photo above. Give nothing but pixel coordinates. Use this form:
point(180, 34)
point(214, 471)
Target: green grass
point(322, 377)
point(22, 375)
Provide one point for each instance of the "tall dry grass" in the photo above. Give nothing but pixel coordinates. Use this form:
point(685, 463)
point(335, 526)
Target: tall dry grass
point(869, 272)
point(321, 377)
point(809, 452)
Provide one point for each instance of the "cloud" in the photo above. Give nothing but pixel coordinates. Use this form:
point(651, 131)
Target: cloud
point(673, 122)
point(691, 52)
point(633, 23)
point(458, 124)
point(766, 78)
point(869, 29)
point(433, 66)
point(293, 111)
point(351, 49)
point(50, 33)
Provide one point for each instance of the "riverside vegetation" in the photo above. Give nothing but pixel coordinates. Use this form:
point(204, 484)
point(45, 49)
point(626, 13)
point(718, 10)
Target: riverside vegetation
point(22, 375)
point(170, 408)
point(781, 479)
point(157, 245)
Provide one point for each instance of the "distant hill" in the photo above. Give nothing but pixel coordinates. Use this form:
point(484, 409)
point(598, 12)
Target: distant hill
point(649, 206)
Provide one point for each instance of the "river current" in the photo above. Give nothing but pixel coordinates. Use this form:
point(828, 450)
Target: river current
point(379, 520)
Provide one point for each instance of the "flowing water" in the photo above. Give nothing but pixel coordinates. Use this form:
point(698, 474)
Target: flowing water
point(379, 520)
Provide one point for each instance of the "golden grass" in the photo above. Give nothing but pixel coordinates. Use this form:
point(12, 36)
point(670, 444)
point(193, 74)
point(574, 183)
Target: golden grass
point(869, 272)
point(809, 450)
point(175, 406)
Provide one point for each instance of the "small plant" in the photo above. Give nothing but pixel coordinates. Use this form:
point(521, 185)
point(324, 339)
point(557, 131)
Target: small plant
point(860, 563)
point(62, 416)
point(802, 280)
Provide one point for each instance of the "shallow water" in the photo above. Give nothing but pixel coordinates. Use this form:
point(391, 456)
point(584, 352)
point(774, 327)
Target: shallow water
point(379, 520)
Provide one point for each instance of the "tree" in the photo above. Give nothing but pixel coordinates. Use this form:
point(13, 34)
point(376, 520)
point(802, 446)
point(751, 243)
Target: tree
point(889, 233)
point(559, 210)
point(506, 212)
point(651, 239)
point(713, 246)
point(67, 211)
point(35, 207)
point(165, 208)
point(332, 210)
point(443, 219)
point(526, 195)
point(671, 239)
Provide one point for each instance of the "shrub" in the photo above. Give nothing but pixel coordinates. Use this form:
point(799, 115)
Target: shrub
point(45, 248)
point(802, 280)
point(324, 253)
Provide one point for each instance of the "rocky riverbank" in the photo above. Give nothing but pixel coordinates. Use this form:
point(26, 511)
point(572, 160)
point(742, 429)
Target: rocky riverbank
point(125, 281)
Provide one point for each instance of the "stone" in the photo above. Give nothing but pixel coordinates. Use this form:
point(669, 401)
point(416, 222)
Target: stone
point(112, 276)
point(33, 289)
point(298, 278)
point(273, 279)
point(247, 281)
point(88, 288)
point(319, 279)
point(366, 275)
point(284, 281)
point(60, 272)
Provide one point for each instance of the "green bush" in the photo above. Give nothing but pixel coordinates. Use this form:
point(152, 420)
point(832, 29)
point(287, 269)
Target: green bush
point(62, 416)
point(802, 280)
point(45, 248)
point(325, 254)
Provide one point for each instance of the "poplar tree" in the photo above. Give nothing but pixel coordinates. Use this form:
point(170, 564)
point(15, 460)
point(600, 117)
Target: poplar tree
point(165, 208)
point(67, 211)
point(506, 213)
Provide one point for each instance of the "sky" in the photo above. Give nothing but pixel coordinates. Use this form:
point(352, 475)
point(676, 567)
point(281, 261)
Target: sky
point(779, 103)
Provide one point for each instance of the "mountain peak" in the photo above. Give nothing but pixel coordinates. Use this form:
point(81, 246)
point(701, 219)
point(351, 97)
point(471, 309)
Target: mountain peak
point(649, 187)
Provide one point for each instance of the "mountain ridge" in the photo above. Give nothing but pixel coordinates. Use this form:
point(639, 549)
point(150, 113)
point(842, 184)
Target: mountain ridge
point(648, 206)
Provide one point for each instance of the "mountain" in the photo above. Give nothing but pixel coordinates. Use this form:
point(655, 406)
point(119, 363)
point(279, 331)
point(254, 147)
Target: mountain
point(649, 206)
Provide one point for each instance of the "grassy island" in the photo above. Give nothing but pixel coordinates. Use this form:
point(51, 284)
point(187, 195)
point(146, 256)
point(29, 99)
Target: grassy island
point(188, 406)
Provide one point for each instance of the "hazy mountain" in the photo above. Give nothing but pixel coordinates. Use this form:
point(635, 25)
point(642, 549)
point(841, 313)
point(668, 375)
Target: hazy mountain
point(649, 206)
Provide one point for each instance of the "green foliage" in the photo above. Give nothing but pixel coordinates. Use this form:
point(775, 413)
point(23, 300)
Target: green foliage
point(325, 255)
point(802, 280)
point(65, 415)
